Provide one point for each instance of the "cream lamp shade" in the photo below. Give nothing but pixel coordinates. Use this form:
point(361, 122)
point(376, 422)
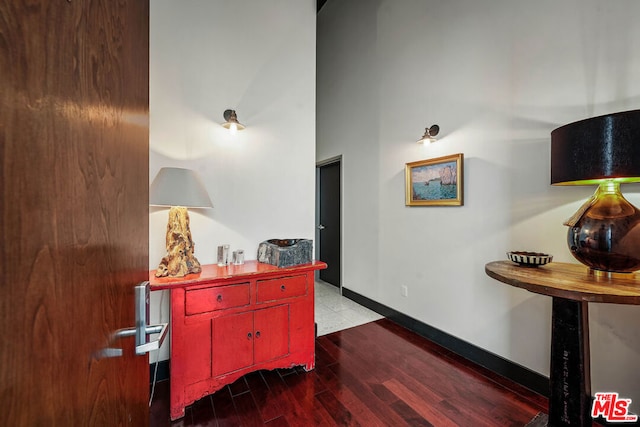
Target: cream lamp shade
point(178, 187)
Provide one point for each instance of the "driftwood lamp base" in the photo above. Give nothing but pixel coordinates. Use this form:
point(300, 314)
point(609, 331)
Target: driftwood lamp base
point(180, 259)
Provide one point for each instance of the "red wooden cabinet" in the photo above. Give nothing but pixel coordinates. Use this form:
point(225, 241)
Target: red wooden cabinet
point(229, 321)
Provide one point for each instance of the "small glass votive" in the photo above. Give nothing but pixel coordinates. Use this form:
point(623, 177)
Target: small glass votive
point(238, 257)
point(223, 255)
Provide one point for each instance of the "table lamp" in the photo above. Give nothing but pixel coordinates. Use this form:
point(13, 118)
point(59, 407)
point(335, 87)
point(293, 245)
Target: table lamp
point(180, 189)
point(604, 234)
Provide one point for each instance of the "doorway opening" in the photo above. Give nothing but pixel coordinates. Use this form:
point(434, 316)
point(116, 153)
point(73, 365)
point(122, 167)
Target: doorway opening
point(329, 219)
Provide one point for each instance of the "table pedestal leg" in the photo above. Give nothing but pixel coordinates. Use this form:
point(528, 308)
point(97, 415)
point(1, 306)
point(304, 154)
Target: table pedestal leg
point(570, 397)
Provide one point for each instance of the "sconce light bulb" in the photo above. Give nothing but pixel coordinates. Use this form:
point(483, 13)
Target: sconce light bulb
point(429, 134)
point(233, 128)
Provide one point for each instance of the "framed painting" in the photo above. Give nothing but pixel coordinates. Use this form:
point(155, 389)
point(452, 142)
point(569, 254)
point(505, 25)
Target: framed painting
point(434, 182)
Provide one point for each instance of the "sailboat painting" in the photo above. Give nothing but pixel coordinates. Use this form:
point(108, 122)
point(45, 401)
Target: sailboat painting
point(434, 182)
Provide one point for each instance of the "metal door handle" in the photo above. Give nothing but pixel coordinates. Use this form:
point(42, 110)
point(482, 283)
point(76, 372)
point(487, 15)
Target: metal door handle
point(321, 227)
point(141, 330)
point(142, 346)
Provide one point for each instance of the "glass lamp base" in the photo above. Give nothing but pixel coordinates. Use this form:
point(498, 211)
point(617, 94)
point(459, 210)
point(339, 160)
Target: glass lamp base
point(605, 232)
point(601, 274)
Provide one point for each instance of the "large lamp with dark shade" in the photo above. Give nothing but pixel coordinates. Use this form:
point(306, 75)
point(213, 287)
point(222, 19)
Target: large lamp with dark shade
point(178, 189)
point(604, 233)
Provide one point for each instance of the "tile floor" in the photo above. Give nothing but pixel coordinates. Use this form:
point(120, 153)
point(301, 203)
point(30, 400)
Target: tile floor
point(335, 312)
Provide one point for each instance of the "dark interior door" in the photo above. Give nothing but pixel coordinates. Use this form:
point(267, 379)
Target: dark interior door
point(329, 226)
point(74, 174)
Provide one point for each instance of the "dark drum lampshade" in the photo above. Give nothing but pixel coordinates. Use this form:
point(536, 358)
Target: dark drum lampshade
point(604, 233)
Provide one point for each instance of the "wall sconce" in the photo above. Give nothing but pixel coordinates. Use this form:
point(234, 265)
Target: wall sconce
point(429, 134)
point(178, 189)
point(231, 121)
point(604, 234)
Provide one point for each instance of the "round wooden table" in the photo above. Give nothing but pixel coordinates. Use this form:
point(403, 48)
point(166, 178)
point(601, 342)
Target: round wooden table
point(571, 286)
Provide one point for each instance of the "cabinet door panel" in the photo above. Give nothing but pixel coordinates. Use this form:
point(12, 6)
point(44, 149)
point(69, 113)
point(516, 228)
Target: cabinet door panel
point(232, 343)
point(272, 333)
point(195, 362)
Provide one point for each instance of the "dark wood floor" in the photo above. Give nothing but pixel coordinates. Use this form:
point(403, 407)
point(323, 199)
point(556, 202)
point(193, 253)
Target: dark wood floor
point(378, 374)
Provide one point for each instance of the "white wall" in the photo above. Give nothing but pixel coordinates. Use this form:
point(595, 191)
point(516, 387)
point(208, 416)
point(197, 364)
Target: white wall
point(257, 58)
point(497, 76)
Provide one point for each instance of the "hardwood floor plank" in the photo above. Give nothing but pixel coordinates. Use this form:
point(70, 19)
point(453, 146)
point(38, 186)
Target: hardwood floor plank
point(267, 402)
point(351, 395)
point(462, 413)
point(465, 365)
point(359, 374)
point(410, 416)
point(382, 393)
point(323, 358)
point(303, 389)
point(223, 408)
point(512, 413)
point(202, 414)
point(375, 375)
point(159, 414)
point(247, 411)
point(297, 414)
point(364, 390)
point(238, 387)
point(427, 411)
point(468, 388)
point(278, 422)
point(370, 368)
point(340, 414)
point(405, 370)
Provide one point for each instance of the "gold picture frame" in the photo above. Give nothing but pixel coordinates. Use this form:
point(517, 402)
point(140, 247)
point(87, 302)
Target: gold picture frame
point(435, 182)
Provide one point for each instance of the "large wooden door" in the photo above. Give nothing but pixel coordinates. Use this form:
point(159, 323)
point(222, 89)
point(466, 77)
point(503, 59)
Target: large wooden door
point(74, 211)
point(330, 222)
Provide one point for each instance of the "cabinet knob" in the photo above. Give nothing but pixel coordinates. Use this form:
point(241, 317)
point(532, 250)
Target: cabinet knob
point(249, 336)
point(283, 288)
point(219, 298)
point(257, 334)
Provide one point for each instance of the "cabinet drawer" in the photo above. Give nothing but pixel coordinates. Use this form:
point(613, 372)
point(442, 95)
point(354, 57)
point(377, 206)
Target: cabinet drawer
point(284, 287)
point(216, 298)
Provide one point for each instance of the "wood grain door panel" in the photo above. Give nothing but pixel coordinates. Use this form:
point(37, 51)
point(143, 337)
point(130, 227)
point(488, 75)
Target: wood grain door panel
point(74, 211)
